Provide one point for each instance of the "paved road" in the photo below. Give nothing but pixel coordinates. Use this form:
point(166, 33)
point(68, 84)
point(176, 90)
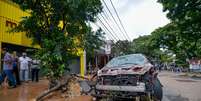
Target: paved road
point(180, 88)
point(176, 88)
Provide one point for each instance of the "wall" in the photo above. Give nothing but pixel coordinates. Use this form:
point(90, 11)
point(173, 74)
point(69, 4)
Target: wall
point(10, 15)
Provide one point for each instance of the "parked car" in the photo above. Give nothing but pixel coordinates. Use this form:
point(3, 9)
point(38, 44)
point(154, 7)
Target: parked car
point(128, 76)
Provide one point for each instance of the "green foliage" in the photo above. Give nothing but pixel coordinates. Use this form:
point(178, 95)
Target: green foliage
point(93, 41)
point(59, 27)
point(143, 45)
point(182, 36)
point(148, 46)
point(122, 48)
point(185, 26)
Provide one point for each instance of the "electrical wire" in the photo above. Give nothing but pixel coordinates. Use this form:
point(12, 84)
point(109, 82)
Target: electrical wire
point(119, 19)
point(113, 18)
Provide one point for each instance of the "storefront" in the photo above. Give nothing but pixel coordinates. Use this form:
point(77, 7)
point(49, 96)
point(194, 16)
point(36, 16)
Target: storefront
point(10, 15)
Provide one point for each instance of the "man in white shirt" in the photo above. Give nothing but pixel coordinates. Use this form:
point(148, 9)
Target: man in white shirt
point(24, 63)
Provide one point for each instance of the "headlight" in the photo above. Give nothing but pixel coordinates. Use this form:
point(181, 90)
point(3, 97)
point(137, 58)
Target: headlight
point(99, 72)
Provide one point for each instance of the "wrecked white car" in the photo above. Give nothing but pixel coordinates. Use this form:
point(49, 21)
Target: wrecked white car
point(128, 76)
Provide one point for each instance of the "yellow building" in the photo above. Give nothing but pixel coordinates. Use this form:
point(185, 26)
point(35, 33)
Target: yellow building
point(10, 15)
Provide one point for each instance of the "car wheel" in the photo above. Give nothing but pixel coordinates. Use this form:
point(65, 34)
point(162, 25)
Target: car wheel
point(157, 90)
point(145, 98)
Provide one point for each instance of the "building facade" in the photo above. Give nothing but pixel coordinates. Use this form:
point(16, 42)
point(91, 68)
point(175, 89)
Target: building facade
point(10, 15)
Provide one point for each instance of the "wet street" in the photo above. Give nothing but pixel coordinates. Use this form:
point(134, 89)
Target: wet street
point(180, 88)
point(24, 92)
point(176, 88)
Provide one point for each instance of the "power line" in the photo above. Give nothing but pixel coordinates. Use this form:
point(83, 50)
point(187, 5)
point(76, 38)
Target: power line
point(104, 28)
point(106, 14)
point(104, 31)
point(109, 25)
point(110, 37)
point(107, 17)
point(107, 28)
point(113, 17)
point(119, 18)
point(116, 45)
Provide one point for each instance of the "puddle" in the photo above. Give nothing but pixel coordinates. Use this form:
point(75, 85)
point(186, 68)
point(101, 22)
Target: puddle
point(24, 92)
point(176, 98)
point(185, 80)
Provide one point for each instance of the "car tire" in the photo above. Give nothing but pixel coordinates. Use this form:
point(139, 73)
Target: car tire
point(157, 90)
point(144, 98)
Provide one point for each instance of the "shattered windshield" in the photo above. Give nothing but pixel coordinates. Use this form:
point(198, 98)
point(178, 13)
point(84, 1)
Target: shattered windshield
point(134, 59)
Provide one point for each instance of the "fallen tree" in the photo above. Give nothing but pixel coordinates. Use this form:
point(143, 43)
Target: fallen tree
point(62, 85)
point(61, 29)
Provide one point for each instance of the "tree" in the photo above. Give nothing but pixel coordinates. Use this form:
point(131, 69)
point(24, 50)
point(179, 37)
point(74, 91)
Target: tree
point(185, 16)
point(168, 39)
point(121, 47)
point(144, 45)
point(182, 35)
point(60, 28)
point(93, 42)
point(148, 45)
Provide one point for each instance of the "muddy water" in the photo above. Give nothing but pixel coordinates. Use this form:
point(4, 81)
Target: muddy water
point(29, 91)
point(24, 92)
point(81, 98)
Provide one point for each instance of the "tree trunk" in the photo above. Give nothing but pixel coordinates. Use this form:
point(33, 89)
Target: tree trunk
point(38, 98)
point(57, 87)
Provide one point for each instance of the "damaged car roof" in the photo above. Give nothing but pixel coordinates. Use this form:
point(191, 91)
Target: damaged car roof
point(131, 59)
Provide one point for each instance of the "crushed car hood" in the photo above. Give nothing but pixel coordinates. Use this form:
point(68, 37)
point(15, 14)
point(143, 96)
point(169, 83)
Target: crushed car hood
point(132, 69)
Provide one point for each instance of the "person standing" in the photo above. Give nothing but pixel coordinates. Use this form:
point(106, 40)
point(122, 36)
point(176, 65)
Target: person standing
point(34, 69)
point(8, 69)
point(24, 62)
point(16, 67)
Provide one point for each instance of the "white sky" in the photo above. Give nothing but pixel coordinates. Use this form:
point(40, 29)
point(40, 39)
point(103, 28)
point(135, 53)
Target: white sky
point(139, 17)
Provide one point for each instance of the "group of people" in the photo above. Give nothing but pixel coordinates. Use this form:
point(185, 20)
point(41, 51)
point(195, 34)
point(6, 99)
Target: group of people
point(16, 69)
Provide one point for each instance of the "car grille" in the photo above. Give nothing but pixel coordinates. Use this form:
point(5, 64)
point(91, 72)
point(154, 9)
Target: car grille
point(123, 80)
